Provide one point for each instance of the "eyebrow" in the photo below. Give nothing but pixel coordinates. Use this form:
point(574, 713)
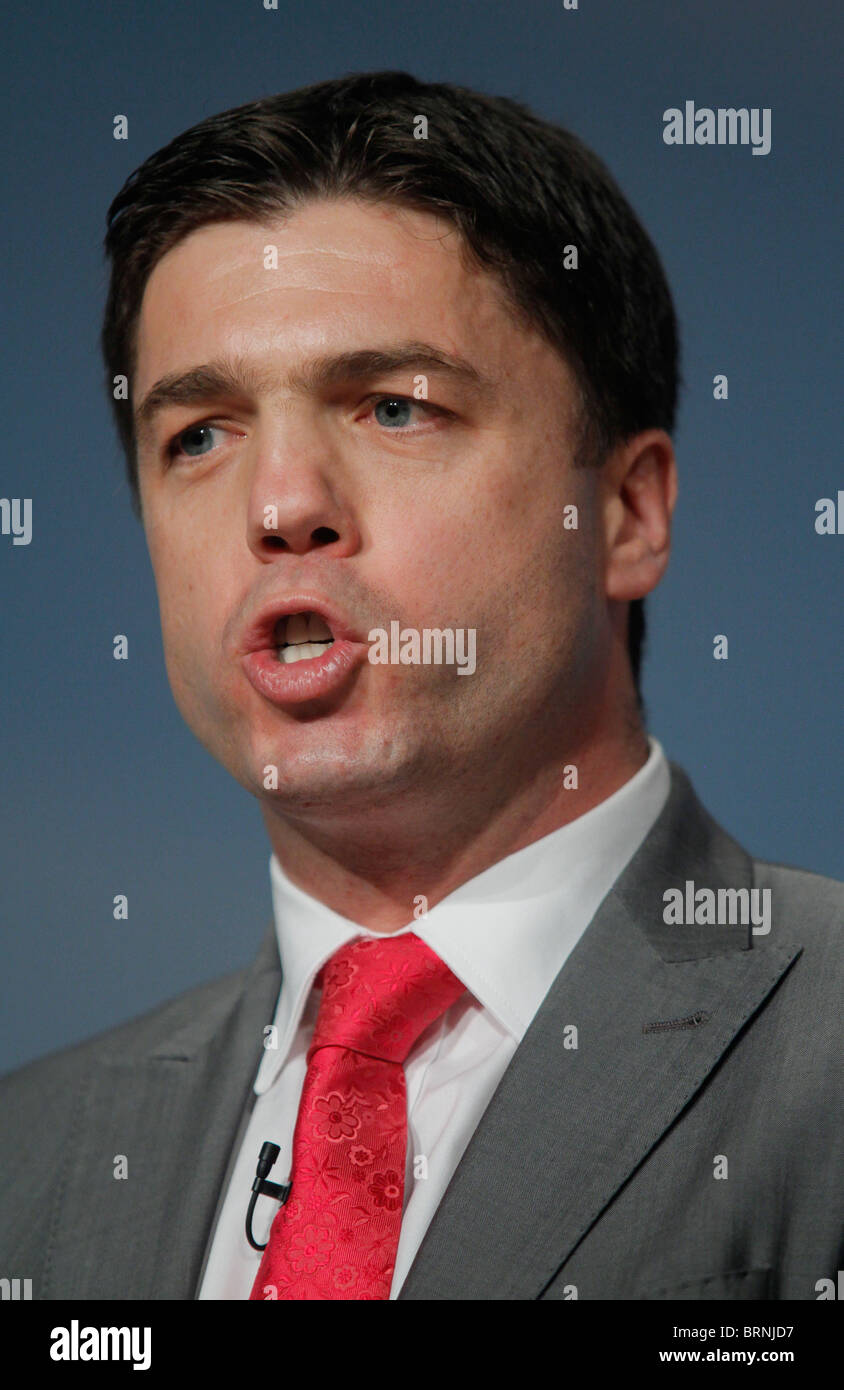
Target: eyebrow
point(234, 376)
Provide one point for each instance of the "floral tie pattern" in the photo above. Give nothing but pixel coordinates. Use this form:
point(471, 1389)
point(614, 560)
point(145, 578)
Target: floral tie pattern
point(337, 1234)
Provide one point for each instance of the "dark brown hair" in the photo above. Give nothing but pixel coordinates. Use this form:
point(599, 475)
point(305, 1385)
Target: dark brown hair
point(518, 189)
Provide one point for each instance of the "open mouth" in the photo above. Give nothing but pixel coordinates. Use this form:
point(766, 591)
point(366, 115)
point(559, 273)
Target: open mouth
point(304, 632)
point(301, 637)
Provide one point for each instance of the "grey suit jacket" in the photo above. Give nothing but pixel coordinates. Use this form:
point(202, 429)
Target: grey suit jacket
point(688, 1147)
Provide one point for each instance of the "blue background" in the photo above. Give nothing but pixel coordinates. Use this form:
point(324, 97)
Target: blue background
point(104, 789)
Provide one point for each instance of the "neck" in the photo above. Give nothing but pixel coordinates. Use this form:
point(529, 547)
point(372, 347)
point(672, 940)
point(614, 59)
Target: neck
point(374, 866)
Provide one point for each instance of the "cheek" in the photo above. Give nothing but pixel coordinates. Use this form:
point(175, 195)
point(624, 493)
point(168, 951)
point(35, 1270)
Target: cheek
point(539, 571)
point(186, 625)
point(481, 545)
point(515, 539)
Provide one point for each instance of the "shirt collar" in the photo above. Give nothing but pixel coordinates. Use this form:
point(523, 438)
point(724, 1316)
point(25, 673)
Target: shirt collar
point(505, 933)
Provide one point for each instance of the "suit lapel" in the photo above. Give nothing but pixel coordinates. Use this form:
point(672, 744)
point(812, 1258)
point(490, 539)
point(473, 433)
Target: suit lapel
point(568, 1125)
point(171, 1105)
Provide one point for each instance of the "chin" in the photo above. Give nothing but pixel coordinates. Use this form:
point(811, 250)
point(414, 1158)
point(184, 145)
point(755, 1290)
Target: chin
point(332, 780)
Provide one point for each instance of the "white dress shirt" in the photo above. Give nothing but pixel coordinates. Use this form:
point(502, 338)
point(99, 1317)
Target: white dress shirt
point(506, 934)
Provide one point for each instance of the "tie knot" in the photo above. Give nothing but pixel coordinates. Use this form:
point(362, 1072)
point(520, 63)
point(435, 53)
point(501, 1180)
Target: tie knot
point(380, 995)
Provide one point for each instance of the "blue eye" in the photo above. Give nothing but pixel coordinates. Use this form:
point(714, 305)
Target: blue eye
point(181, 445)
point(394, 411)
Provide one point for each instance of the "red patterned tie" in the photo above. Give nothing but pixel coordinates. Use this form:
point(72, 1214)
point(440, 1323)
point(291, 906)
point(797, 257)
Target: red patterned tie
point(337, 1234)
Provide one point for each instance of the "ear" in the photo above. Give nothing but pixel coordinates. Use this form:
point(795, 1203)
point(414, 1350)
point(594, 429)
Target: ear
point(639, 490)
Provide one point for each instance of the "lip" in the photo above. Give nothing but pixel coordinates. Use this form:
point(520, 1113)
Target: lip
point(302, 680)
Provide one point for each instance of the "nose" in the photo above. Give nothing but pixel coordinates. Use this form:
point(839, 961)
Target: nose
point(300, 501)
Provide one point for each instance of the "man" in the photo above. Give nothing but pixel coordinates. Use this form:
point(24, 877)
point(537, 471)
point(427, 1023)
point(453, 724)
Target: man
point(402, 371)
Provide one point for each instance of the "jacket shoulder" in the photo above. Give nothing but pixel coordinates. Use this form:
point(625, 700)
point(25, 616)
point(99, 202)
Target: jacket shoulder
point(44, 1103)
point(41, 1102)
point(50, 1080)
point(809, 905)
point(807, 913)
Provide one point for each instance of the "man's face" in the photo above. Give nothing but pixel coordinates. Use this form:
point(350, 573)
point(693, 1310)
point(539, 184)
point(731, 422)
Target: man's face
point(444, 510)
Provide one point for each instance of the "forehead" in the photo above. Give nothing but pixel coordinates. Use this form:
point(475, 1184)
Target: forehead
point(333, 274)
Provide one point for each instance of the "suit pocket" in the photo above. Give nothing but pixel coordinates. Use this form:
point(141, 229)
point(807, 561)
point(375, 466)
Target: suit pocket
point(737, 1284)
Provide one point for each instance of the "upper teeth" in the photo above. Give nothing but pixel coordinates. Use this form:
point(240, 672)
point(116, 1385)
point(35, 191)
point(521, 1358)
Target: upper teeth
point(302, 636)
